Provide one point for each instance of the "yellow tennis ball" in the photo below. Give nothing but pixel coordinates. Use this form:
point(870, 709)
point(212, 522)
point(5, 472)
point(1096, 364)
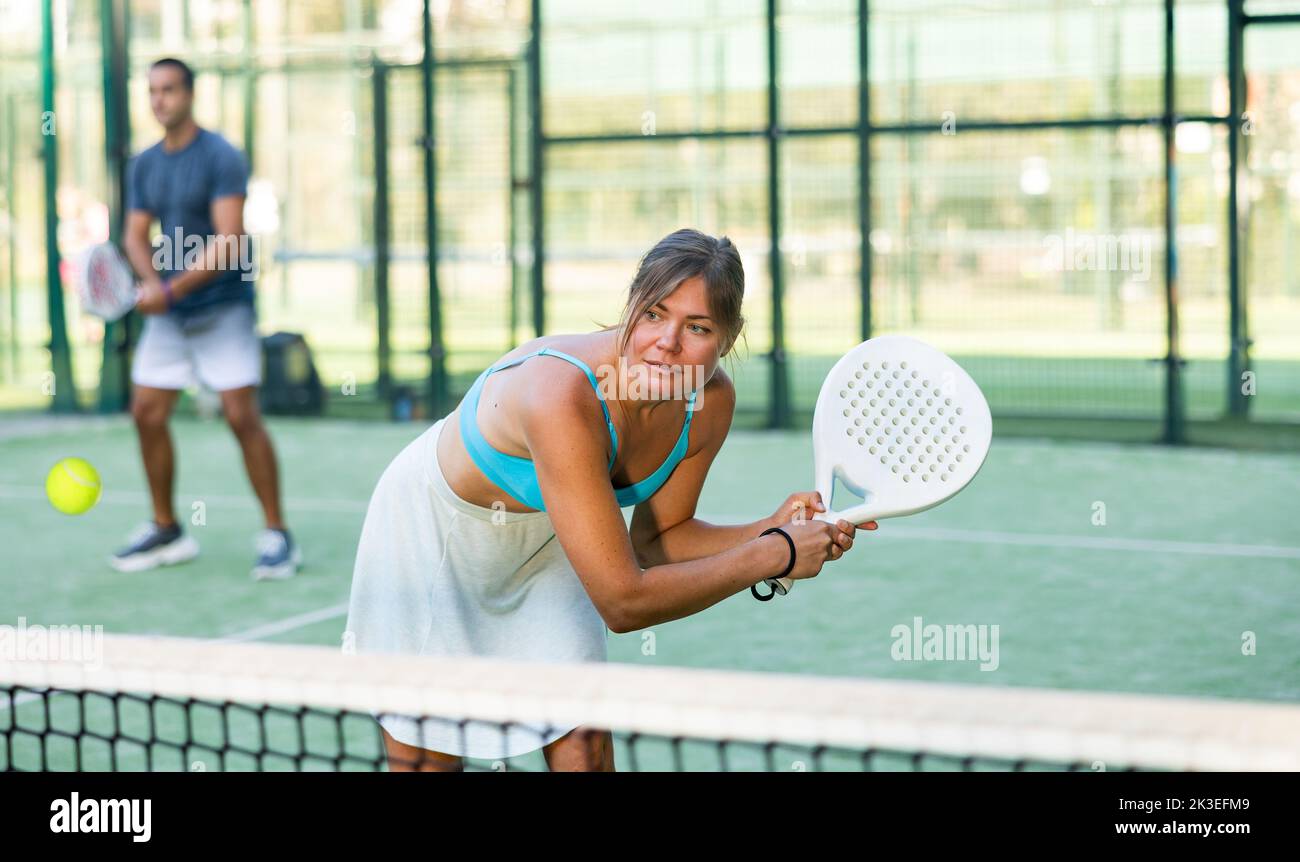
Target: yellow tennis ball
point(73, 486)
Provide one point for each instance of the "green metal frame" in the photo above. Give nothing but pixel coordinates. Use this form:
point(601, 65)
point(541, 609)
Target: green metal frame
point(379, 82)
point(1175, 417)
point(114, 21)
point(65, 389)
point(537, 169)
point(115, 374)
point(779, 408)
point(1174, 420)
point(438, 395)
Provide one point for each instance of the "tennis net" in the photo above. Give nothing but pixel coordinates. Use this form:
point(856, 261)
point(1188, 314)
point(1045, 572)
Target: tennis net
point(162, 704)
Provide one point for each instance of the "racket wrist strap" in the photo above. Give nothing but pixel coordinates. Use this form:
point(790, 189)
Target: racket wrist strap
point(753, 588)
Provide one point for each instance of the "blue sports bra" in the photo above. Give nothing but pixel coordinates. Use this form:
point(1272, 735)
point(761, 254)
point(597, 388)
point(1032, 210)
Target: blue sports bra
point(518, 476)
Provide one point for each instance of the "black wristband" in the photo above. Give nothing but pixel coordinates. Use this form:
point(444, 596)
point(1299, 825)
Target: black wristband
point(753, 588)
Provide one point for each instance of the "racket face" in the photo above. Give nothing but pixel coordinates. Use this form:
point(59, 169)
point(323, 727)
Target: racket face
point(107, 284)
point(902, 425)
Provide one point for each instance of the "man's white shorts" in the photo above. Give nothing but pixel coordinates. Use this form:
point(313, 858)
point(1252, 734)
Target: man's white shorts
point(217, 347)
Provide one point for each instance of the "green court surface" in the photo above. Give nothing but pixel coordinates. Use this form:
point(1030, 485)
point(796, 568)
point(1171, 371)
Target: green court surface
point(1189, 587)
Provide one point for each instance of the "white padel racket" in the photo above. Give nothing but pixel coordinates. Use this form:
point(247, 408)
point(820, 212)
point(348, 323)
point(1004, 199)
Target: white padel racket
point(901, 425)
point(108, 287)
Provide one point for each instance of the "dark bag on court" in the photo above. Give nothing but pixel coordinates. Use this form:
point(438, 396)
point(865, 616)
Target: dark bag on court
point(290, 384)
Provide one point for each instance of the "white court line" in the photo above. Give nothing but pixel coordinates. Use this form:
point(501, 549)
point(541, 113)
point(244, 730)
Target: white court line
point(139, 499)
point(887, 531)
point(892, 530)
point(279, 627)
point(1097, 543)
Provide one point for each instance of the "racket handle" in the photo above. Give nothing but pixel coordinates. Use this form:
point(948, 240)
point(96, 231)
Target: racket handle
point(782, 586)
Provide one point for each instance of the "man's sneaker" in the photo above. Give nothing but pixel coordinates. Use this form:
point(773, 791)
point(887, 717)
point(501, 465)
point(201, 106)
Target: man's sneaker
point(151, 546)
point(278, 557)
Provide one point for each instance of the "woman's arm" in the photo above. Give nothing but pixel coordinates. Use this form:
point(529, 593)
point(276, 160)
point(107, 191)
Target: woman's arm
point(565, 434)
point(664, 528)
point(692, 539)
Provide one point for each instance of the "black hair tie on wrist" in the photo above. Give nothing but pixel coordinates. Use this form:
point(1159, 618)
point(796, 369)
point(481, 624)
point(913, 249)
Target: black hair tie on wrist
point(753, 588)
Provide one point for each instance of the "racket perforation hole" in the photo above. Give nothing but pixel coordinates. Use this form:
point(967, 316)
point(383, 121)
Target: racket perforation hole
point(944, 477)
point(925, 477)
point(857, 375)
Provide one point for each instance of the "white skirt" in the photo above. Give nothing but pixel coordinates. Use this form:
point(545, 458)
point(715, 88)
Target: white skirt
point(438, 576)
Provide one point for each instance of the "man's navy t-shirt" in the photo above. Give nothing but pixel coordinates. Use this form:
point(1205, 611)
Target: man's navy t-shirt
point(178, 189)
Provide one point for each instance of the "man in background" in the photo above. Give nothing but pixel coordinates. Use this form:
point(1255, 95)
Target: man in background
point(200, 318)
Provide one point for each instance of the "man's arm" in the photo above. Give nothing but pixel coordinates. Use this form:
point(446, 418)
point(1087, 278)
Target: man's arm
point(139, 251)
point(221, 252)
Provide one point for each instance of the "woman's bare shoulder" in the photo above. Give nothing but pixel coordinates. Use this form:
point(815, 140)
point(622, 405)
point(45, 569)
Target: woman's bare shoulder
point(591, 347)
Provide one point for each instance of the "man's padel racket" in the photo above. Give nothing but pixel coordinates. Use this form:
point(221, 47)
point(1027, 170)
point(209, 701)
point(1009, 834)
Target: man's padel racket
point(108, 287)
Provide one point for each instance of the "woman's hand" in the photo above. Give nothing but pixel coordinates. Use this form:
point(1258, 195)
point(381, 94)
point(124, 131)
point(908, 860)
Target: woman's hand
point(803, 506)
point(815, 543)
